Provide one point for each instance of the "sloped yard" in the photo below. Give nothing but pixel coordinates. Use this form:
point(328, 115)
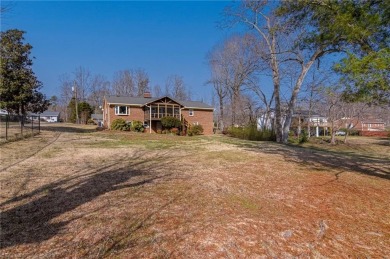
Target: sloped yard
point(72, 192)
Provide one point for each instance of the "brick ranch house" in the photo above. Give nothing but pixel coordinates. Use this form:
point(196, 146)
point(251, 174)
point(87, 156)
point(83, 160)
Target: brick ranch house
point(150, 111)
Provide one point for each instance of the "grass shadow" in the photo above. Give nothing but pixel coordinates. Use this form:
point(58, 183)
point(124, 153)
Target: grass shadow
point(67, 128)
point(315, 157)
point(31, 221)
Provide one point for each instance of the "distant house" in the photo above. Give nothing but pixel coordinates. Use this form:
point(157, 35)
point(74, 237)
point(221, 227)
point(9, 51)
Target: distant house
point(371, 125)
point(150, 111)
point(48, 116)
point(98, 119)
point(303, 119)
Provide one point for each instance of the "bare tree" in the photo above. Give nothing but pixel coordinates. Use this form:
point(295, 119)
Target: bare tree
point(157, 92)
point(232, 64)
point(141, 81)
point(82, 82)
point(175, 87)
point(100, 87)
point(66, 95)
point(340, 114)
point(123, 83)
point(283, 50)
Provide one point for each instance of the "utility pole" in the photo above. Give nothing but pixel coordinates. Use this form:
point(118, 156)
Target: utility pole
point(75, 101)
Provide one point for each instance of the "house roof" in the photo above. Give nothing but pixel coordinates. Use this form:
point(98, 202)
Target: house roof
point(141, 101)
point(373, 121)
point(307, 113)
point(46, 114)
point(96, 116)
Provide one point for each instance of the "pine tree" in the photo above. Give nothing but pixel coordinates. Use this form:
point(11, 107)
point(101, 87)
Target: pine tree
point(19, 87)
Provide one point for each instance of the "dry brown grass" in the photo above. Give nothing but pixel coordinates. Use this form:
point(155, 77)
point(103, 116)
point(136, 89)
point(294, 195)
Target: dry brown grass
point(78, 193)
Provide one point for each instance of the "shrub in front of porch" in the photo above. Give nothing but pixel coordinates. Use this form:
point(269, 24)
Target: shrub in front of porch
point(120, 124)
point(169, 123)
point(137, 126)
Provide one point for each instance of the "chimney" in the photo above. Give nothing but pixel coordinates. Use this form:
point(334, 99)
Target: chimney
point(147, 95)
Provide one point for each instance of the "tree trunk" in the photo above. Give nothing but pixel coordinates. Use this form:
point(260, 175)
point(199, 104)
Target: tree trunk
point(221, 110)
point(294, 94)
point(234, 103)
point(333, 137)
point(276, 81)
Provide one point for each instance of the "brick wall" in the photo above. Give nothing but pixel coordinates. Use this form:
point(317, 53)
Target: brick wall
point(136, 113)
point(374, 133)
point(202, 117)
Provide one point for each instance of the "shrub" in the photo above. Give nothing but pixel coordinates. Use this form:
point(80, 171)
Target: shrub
point(137, 126)
point(170, 122)
point(251, 133)
point(90, 121)
point(120, 124)
point(195, 130)
point(175, 131)
point(303, 138)
point(353, 132)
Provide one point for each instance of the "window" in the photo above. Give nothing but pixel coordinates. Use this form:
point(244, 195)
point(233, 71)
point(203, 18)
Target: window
point(121, 110)
point(191, 112)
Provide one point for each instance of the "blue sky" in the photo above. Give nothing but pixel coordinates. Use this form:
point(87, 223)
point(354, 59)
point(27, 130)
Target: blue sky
point(164, 38)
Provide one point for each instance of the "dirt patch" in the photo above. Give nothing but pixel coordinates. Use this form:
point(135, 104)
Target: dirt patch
point(100, 194)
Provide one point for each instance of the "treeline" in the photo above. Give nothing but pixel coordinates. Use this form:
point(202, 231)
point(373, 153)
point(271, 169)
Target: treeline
point(267, 67)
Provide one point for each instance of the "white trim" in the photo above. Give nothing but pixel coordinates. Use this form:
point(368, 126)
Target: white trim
point(117, 111)
point(191, 112)
point(197, 108)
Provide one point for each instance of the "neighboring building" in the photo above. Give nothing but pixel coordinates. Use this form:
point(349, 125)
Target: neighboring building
point(98, 119)
point(150, 111)
point(48, 116)
point(266, 121)
point(302, 119)
point(371, 125)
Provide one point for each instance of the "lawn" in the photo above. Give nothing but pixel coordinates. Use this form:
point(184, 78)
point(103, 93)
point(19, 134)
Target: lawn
point(74, 192)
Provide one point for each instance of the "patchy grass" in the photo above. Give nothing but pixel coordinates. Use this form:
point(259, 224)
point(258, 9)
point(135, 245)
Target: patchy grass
point(75, 192)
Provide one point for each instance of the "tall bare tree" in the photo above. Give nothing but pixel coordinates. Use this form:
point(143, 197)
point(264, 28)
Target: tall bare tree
point(100, 87)
point(124, 84)
point(285, 50)
point(82, 82)
point(142, 81)
point(66, 95)
point(157, 92)
point(233, 63)
point(175, 87)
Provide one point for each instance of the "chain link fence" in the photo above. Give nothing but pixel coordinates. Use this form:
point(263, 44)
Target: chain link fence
point(14, 127)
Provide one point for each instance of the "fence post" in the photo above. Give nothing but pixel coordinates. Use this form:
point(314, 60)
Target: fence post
point(6, 126)
point(21, 124)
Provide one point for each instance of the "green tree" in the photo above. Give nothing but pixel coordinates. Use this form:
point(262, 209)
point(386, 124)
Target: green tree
point(84, 111)
point(362, 30)
point(19, 87)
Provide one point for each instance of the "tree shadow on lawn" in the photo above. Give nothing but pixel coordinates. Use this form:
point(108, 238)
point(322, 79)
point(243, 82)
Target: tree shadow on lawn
point(363, 164)
point(67, 128)
point(30, 222)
